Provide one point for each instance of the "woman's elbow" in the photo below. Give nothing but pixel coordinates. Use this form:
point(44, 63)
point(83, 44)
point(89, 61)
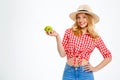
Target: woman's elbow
point(63, 55)
point(109, 59)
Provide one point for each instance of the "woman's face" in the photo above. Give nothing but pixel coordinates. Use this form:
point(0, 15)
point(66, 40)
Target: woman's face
point(81, 19)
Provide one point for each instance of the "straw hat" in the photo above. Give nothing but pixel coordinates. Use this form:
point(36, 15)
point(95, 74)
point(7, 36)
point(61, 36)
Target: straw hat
point(84, 9)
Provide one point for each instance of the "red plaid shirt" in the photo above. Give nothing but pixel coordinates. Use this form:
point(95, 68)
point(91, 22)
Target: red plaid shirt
point(82, 46)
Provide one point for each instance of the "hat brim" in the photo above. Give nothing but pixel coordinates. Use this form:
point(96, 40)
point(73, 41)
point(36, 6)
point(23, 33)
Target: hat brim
point(95, 17)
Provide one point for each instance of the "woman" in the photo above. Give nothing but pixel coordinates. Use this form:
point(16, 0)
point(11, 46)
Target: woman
point(78, 43)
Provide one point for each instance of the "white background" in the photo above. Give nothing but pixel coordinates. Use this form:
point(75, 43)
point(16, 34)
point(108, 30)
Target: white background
point(27, 53)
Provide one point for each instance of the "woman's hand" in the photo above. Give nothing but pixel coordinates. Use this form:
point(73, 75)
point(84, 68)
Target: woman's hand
point(103, 63)
point(89, 68)
point(53, 33)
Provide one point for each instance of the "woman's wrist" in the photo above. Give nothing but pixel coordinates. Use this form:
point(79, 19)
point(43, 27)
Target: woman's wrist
point(95, 69)
point(57, 36)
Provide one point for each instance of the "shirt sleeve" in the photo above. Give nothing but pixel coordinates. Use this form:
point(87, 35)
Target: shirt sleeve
point(65, 39)
point(102, 48)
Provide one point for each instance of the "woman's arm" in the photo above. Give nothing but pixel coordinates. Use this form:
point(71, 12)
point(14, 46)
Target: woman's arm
point(105, 53)
point(102, 64)
point(89, 67)
point(60, 47)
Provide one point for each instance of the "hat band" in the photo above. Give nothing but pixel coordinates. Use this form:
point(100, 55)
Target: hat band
point(83, 10)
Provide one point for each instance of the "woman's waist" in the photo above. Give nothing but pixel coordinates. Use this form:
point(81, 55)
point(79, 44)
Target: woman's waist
point(77, 63)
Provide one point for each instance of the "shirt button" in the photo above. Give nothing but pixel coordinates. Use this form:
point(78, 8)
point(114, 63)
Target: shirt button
point(76, 68)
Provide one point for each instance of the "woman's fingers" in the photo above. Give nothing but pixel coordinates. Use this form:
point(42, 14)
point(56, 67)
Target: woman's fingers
point(52, 33)
point(88, 67)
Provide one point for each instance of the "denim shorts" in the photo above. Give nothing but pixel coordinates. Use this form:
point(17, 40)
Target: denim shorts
point(76, 73)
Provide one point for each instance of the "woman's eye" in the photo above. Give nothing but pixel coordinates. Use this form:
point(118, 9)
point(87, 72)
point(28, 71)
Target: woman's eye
point(78, 17)
point(84, 16)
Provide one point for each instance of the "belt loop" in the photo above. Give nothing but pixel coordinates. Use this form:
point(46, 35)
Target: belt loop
point(82, 68)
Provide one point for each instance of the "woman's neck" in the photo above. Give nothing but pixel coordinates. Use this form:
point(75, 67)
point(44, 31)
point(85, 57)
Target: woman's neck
point(84, 31)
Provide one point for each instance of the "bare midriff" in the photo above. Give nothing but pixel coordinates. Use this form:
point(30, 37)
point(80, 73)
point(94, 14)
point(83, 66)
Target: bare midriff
point(77, 64)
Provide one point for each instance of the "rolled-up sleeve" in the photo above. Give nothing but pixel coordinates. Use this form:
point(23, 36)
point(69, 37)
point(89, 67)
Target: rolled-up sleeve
point(102, 48)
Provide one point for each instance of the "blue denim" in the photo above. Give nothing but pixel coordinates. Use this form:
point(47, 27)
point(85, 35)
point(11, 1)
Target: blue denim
point(76, 73)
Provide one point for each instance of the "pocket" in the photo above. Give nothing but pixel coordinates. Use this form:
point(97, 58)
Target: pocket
point(68, 73)
point(88, 75)
point(67, 68)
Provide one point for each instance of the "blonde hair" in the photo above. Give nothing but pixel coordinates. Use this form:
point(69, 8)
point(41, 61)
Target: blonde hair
point(90, 27)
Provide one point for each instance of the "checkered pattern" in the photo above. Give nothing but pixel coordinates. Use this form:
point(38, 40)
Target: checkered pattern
point(82, 46)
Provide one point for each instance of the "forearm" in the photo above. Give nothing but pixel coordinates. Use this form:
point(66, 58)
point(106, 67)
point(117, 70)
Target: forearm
point(60, 47)
point(102, 64)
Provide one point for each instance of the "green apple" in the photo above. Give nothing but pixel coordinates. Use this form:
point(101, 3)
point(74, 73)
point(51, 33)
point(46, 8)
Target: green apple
point(48, 28)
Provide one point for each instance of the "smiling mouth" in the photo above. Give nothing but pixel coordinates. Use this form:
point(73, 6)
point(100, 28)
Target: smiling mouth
point(82, 23)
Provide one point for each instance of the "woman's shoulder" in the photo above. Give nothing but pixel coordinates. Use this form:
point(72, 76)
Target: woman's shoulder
point(68, 30)
point(98, 39)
